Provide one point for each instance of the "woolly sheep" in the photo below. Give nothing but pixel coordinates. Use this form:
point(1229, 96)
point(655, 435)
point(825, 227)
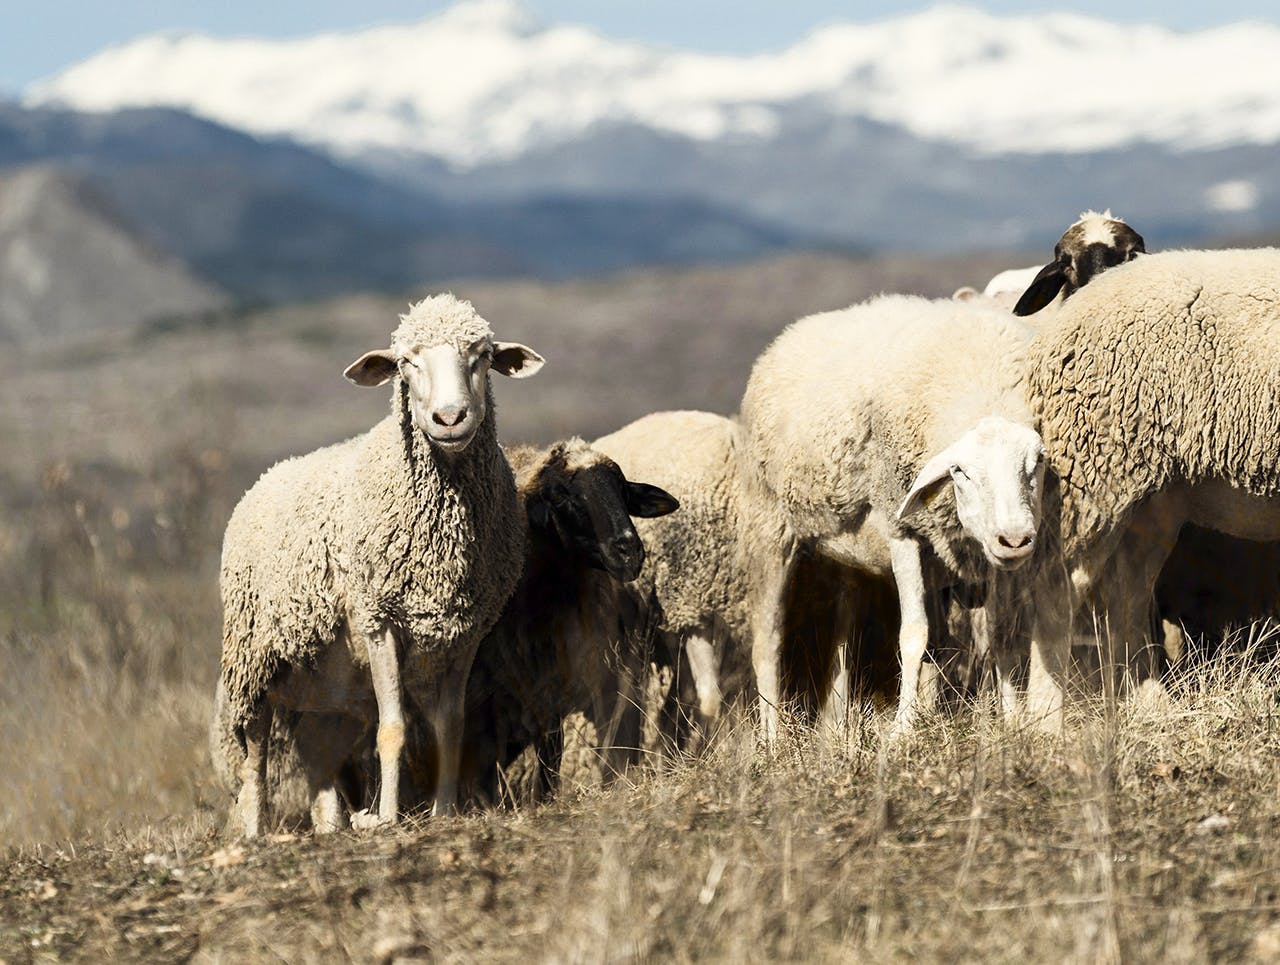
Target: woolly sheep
point(856, 418)
point(381, 559)
point(697, 582)
point(1093, 244)
point(558, 647)
point(1155, 386)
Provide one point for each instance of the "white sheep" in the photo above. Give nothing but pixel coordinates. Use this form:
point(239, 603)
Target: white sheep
point(382, 559)
point(856, 419)
point(1156, 391)
point(697, 582)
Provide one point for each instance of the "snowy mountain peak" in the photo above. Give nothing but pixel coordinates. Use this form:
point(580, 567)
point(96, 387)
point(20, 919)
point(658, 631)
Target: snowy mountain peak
point(505, 16)
point(484, 80)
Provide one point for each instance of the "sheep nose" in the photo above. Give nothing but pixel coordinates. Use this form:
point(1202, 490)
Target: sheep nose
point(1016, 541)
point(449, 415)
point(626, 556)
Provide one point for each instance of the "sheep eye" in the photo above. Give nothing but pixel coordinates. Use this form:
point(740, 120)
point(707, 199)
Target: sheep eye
point(959, 473)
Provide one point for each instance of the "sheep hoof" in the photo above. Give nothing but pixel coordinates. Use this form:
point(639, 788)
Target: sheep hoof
point(366, 820)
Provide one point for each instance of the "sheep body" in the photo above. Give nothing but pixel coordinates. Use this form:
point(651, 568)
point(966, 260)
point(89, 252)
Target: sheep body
point(913, 375)
point(384, 537)
point(1160, 372)
point(356, 534)
point(697, 584)
point(845, 409)
point(694, 567)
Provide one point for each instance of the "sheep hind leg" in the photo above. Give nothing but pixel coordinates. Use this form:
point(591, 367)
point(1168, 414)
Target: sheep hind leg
point(1129, 597)
point(704, 668)
point(446, 713)
point(327, 815)
point(251, 805)
point(766, 647)
point(837, 690)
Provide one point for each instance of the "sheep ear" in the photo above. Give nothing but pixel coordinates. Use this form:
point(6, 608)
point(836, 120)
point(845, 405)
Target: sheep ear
point(646, 502)
point(515, 361)
point(965, 293)
point(1043, 289)
point(935, 472)
point(372, 368)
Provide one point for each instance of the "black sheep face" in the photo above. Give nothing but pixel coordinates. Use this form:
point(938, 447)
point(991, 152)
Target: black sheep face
point(591, 505)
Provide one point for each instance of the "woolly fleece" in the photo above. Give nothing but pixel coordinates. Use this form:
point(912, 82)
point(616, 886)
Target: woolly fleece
point(844, 408)
point(382, 530)
point(1161, 370)
point(697, 569)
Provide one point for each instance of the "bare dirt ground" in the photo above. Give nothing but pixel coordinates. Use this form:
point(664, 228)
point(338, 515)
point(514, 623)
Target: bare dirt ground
point(1147, 835)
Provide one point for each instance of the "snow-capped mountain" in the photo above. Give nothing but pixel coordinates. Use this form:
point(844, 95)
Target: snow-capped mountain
point(483, 82)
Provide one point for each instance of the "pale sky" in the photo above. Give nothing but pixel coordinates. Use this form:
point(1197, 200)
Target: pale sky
point(40, 38)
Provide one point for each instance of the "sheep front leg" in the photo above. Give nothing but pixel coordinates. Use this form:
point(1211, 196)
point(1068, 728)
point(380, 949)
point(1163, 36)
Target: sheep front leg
point(1050, 655)
point(251, 805)
point(835, 708)
point(384, 668)
point(913, 636)
point(766, 647)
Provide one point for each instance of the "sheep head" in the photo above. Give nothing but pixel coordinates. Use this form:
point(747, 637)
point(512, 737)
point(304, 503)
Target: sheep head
point(444, 352)
point(583, 495)
point(997, 472)
point(1089, 247)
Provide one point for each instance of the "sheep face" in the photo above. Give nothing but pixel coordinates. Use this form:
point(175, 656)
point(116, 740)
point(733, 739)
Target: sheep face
point(997, 472)
point(1089, 247)
point(447, 384)
point(590, 506)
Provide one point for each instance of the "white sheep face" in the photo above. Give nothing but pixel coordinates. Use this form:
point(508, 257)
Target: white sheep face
point(447, 383)
point(997, 472)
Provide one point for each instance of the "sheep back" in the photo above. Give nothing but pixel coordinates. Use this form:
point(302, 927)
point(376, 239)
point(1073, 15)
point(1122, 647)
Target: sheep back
point(1163, 369)
point(845, 407)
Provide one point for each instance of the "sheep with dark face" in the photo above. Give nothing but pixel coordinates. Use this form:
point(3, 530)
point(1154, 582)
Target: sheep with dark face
point(1089, 247)
point(560, 646)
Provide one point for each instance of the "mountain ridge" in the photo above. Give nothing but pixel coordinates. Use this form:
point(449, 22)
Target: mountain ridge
point(1029, 83)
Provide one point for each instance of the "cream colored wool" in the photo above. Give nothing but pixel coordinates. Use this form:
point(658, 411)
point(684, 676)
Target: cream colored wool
point(844, 408)
point(1163, 370)
point(695, 570)
point(380, 531)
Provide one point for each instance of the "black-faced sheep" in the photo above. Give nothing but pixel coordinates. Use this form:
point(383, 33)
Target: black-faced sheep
point(562, 645)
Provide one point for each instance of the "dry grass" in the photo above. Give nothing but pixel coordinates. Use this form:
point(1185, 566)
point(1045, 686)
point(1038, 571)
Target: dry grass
point(1148, 834)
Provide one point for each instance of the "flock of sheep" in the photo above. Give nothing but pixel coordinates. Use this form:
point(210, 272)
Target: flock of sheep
point(417, 615)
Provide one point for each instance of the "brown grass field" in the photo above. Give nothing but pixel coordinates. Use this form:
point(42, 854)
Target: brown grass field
point(1148, 834)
